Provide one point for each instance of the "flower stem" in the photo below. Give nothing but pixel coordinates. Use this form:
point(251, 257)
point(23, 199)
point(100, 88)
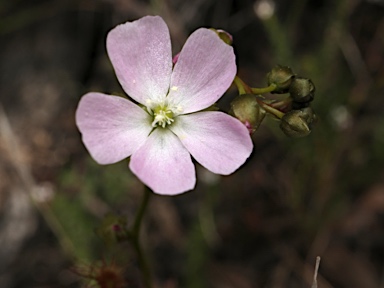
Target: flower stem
point(143, 263)
point(245, 89)
point(135, 233)
point(277, 113)
point(141, 211)
point(241, 86)
point(268, 89)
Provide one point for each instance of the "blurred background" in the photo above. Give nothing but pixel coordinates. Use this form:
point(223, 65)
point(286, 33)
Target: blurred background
point(263, 226)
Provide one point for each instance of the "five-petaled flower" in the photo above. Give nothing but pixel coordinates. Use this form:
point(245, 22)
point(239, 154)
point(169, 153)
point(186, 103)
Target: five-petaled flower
point(169, 123)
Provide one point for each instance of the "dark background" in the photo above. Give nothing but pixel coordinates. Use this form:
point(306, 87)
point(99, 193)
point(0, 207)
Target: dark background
point(263, 226)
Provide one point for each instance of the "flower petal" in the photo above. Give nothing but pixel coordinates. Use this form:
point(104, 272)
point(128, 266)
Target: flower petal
point(204, 70)
point(163, 164)
point(216, 140)
point(140, 52)
point(112, 127)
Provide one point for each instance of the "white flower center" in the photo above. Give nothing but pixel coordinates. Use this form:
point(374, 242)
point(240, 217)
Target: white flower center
point(163, 114)
point(162, 118)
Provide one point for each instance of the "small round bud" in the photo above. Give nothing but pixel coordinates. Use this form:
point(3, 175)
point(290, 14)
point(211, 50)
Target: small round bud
point(112, 229)
point(302, 90)
point(247, 110)
point(282, 77)
point(224, 35)
point(308, 114)
point(297, 123)
point(175, 58)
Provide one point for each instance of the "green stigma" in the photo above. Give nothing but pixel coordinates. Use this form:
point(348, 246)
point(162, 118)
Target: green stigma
point(162, 116)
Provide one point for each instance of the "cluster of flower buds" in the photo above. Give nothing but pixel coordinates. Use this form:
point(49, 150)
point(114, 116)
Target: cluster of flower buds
point(299, 116)
point(294, 112)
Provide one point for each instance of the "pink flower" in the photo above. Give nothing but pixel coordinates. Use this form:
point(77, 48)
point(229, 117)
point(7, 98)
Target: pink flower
point(168, 126)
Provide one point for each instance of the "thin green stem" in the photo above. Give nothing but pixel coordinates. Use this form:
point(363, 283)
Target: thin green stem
point(245, 89)
point(282, 104)
point(141, 211)
point(268, 89)
point(135, 233)
point(241, 86)
point(143, 263)
point(277, 113)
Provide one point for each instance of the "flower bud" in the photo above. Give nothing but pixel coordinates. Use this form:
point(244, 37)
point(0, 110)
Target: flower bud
point(175, 58)
point(112, 229)
point(282, 77)
point(302, 90)
point(297, 123)
point(247, 110)
point(308, 114)
point(224, 35)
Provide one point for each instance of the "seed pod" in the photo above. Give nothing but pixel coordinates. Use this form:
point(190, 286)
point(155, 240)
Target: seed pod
point(302, 90)
point(297, 123)
point(247, 110)
point(282, 77)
